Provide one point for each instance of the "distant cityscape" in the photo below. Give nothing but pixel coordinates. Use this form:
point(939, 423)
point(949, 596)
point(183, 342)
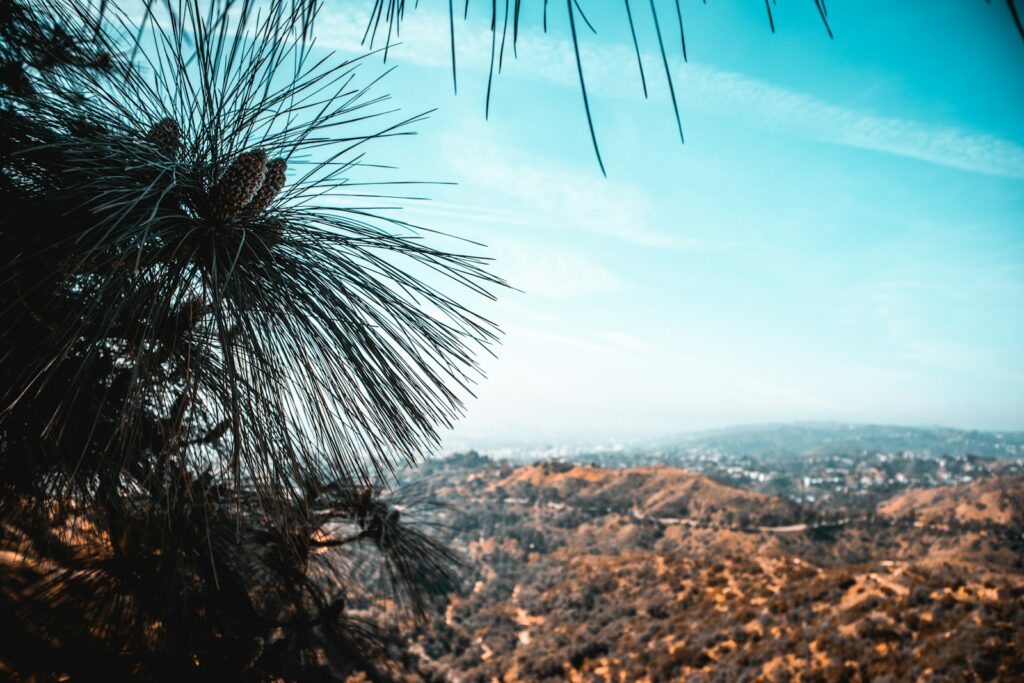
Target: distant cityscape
point(826, 464)
point(839, 479)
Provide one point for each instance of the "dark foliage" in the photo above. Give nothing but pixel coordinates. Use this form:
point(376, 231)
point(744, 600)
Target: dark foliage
point(210, 351)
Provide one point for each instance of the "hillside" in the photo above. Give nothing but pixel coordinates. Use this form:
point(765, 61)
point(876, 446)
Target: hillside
point(996, 501)
point(590, 574)
point(829, 465)
point(658, 492)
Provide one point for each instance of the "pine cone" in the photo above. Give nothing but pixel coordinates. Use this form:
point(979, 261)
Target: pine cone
point(274, 228)
point(273, 181)
point(190, 313)
point(363, 501)
point(332, 612)
point(239, 183)
point(165, 135)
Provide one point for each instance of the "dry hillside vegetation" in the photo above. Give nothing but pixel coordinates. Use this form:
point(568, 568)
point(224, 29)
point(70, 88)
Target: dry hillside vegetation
point(656, 574)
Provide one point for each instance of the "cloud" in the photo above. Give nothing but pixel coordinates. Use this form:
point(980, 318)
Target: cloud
point(549, 58)
point(802, 115)
point(577, 342)
point(929, 321)
point(921, 346)
point(627, 342)
point(557, 197)
point(553, 273)
point(793, 398)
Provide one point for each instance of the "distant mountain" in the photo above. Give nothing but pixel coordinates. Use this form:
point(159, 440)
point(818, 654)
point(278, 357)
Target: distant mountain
point(771, 441)
point(800, 439)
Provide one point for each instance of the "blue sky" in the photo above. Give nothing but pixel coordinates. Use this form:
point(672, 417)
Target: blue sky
point(840, 238)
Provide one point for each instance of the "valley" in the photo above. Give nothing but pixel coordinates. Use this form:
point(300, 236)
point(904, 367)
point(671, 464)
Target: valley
point(588, 573)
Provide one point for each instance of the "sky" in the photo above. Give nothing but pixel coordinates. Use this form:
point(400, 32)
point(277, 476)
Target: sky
point(840, 237)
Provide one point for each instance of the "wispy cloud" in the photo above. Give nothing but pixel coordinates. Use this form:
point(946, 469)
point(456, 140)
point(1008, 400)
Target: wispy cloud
point(577, 342)
point(557, 197)
point(799, 114)
point(554, 273)
point(627, 342)
point(929, 323)
point(755, 102)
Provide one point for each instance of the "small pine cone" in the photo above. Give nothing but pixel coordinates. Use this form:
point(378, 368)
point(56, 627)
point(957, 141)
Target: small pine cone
point(363, 501)
point(165, 135)
point(333, 611)
point(239, 183)
point(190, 313)
point(103, 62)
point(273, 181)
point(274, 228)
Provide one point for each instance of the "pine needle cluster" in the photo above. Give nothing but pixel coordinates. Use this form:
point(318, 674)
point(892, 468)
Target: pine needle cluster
point(210, 356)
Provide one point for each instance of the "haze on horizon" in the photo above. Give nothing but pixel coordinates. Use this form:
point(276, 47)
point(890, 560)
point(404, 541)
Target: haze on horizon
point(841, 238)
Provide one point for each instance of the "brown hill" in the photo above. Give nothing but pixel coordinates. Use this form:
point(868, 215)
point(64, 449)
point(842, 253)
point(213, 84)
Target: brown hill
point(996, 500)
point(663, 493)
point(591, 574)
